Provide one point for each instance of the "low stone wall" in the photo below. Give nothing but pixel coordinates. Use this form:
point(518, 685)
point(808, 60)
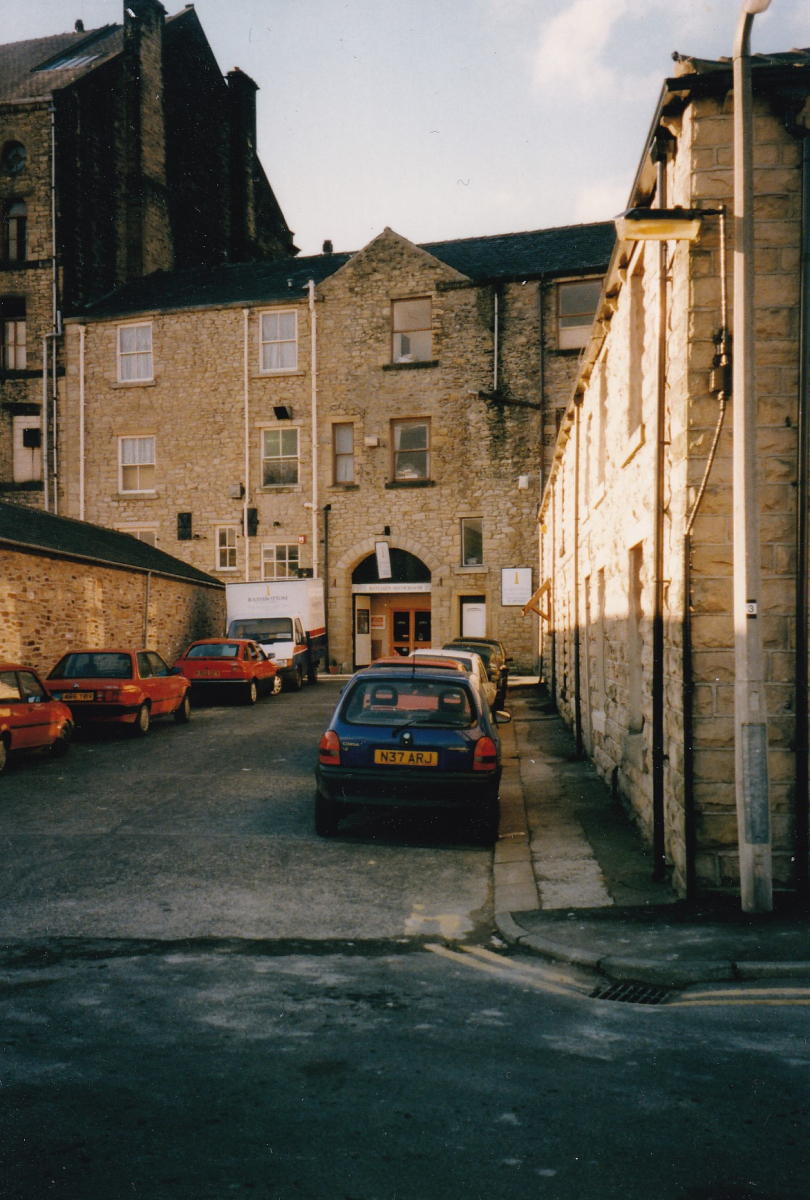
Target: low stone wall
point(50, 604)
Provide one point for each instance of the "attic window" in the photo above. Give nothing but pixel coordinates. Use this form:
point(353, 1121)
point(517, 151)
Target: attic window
point(67, 61)
point(576, 308)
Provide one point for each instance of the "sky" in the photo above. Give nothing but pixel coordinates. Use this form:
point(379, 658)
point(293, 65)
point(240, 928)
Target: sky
point(448, 118)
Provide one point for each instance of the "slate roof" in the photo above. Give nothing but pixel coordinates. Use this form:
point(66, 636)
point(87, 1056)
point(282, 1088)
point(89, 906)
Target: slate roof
point(29, 527)
point(21, 80)
point(570, 250)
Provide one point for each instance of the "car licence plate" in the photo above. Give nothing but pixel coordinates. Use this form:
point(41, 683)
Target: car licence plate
point(81, 695)
point(406, 758)
point(208, 674)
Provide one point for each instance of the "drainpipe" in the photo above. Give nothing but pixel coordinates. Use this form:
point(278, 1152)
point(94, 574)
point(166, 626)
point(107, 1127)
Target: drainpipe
point(541, 383)
point(495, 339)
point(82, 331)
point(44, 423)
point(659, 836)
point(246, 395)
point(327, 508)
point(553, 598)
point(723, 368)
point(146, 607)
point(56, 329)
point(313, 327)
point(577, 672)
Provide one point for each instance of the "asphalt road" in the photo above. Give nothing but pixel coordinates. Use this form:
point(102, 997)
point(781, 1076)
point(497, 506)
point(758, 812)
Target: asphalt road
point(199, 998)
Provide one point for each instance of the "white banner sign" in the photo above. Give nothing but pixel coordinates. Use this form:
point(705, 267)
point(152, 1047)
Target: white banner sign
point(383, 560)
point(377, 589)
point(516, 586)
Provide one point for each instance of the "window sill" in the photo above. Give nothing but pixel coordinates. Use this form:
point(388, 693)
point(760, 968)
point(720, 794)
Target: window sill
point(409, 483)
point(275, 488)
point(634, 444)
point(568, 351)
point(411, 366)
point(467, 570)
point(344, 487)
point(134, 383)
point(137, 495)
point(278, 374)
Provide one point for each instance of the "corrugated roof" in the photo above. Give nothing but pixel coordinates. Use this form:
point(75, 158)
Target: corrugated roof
point(20, 78)
point(572, 249)
point(30, 527)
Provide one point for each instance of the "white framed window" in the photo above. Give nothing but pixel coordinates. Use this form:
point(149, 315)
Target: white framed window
point(576, 309)
point(226, 547)
point(134, 353)
point(143, 533)
point(279, 341)
point(280, 561)
point(343, 446)
point(136, 458)
point(411, 449)
point(279, 457)
point(16, 231)
point(472, 541)
point(27, 462)
point(14, 345)
point(411, 329)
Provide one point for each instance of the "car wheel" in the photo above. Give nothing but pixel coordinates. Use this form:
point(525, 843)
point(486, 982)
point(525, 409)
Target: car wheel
point(485, 826)
point(327, 817)
point(251, 692)
point(142, 721)
point(3, 755)
point(276, 684)
point(297, 681)
point(182, 714)
point(62, 744)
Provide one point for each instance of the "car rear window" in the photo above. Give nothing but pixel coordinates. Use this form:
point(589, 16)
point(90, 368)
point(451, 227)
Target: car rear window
point(93, 666)
point(214, 650)
point(408, 701)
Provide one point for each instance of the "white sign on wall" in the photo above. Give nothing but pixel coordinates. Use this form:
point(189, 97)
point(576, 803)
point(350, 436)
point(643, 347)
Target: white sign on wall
point(383, 560)
point(516, 586)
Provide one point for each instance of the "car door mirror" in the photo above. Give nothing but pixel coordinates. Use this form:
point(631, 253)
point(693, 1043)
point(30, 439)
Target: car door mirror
point(175, 671)
point(502, 718)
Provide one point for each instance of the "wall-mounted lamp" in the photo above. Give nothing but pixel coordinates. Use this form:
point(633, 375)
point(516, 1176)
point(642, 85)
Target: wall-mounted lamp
point(282, 412)
point(660, 224)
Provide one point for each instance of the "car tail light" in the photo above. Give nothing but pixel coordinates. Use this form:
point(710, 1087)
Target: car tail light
point(110, 695)
point(329, 749)
point(486, 755)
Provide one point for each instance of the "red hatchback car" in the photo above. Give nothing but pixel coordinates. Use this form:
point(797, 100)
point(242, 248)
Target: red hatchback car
point(129, 687)
point(29, 718)
point(233, 664)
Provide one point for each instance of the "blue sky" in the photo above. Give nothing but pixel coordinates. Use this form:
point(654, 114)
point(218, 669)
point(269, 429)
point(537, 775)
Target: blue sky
point(448, 118)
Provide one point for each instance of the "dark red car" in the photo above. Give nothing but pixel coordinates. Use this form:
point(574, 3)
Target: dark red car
point(128, 687)
point(29, 718)
point(234, 665)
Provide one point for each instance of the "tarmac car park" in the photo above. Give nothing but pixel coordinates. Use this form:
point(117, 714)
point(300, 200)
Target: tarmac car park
point(411, 734)
point(128, 687)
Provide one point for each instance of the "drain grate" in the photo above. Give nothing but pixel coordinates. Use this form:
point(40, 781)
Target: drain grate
point(630, 993)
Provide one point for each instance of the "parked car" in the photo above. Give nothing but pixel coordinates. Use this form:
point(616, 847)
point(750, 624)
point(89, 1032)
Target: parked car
point(471, 662)
point(234, 665)
point(407, 660)
point(417, 737)
point(29, 718)
point(494, 655)
point(128, 687)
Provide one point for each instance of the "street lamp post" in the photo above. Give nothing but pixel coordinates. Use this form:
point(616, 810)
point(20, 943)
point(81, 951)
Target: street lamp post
point(750, 728)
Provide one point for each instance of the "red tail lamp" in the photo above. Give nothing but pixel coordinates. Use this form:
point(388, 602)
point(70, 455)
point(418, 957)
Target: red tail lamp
point(486, 755)
point(329, 749)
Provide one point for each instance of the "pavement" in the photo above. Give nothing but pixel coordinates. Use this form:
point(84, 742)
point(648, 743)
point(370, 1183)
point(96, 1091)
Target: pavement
point(573, 876)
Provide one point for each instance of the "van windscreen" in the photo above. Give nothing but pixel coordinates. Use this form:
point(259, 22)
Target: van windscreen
point(262, 629)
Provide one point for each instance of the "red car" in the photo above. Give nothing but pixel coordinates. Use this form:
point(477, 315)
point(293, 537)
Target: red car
point(235, 664)
point(29, 718)
point(129, 687)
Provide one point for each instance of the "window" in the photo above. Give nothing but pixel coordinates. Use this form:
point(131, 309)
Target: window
point(279, 341)
point(472, 541)
point(280, 562)
point(14, 158)
point(137, 464)
point(16, 231)
point(185, 526)
point(343, 445)
point(279, 457)
point(27, 464)
point(134, 353)
point(411, 323)
point(411, 440)
point(576, 308)
point(14, 352)
point(142, 533)
point(226, 547)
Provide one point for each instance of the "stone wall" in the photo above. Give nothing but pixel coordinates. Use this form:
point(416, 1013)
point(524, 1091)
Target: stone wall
point(50, 604)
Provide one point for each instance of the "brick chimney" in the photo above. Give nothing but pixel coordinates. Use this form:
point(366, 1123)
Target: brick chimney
point(242, 120)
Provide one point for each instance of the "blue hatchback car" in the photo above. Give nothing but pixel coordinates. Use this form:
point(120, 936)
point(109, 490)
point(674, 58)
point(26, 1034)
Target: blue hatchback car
point(411, 736)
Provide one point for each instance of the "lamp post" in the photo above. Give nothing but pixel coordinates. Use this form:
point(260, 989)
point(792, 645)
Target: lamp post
point(750, 729)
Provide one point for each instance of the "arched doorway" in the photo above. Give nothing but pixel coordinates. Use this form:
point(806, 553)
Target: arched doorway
point(392, 615)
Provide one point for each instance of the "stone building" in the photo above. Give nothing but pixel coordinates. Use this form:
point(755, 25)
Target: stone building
point(636, 554)
point(373, 418)
point(123, 151)
point(68, 584)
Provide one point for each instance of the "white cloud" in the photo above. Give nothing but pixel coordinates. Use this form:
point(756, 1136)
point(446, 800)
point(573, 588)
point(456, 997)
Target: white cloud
point(572, 45)
point(601, 199)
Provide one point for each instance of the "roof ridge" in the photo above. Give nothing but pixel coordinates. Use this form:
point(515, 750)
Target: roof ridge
point(484, 237)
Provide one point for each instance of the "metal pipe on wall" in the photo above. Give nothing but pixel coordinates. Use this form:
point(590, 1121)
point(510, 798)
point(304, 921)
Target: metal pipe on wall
point(82, 332)
point(577, 669)
point(313, 356)
point(802, 792)
point(246, 398)
point(44, 424)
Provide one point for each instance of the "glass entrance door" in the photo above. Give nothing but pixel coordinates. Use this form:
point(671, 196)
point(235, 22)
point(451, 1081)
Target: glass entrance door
point(410, 630)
